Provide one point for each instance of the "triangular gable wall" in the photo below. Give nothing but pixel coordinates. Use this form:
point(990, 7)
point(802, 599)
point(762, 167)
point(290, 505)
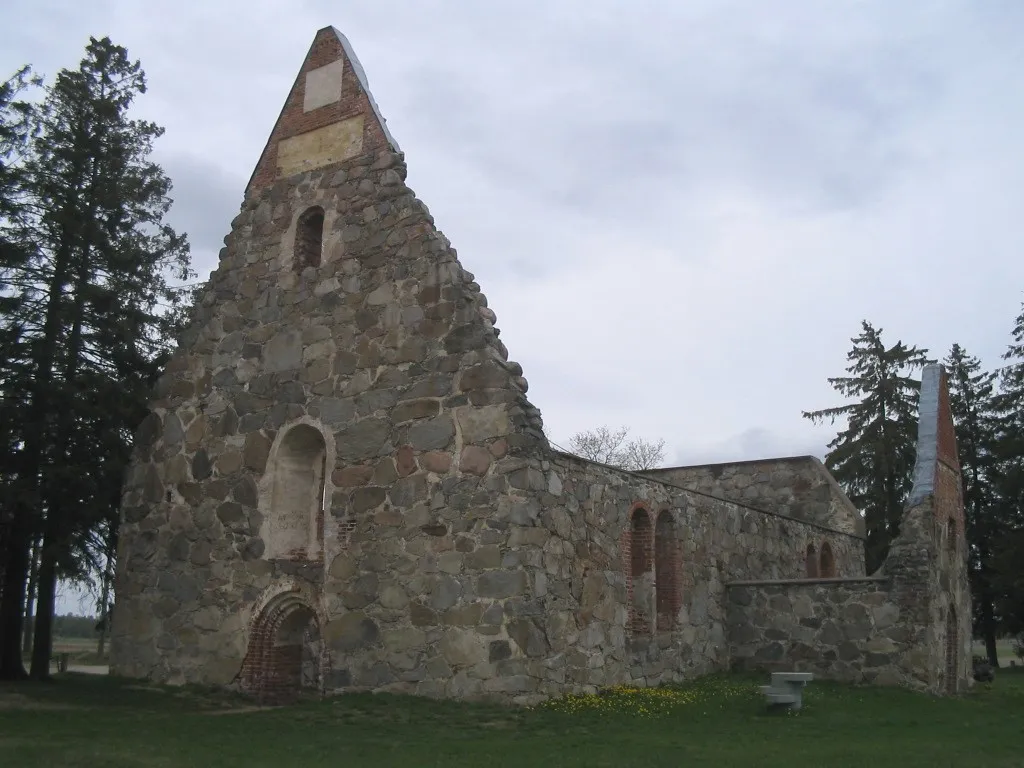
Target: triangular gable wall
point(330, 91)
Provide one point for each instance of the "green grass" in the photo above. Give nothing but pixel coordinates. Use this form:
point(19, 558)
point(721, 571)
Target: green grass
point(92, 721)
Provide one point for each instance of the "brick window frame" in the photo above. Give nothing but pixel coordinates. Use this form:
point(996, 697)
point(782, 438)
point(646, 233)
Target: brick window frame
point(811, 562)
point(637, 547)
point(827, 568)
point(668, 572)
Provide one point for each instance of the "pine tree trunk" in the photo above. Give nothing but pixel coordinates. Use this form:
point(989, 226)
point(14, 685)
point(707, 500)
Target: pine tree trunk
point(104, 613)
point(54, 528)
point(12, 600)
point(42, 645)
point(27, 502)
point(33, 578)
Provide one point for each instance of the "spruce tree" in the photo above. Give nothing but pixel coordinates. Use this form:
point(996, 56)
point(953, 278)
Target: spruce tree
point(971, 392)
point(873, 457)
point(17, 125)
point(92, 296)
point(1009, 403)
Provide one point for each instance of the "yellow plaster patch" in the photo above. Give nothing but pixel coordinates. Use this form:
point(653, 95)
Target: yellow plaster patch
point(315, 149)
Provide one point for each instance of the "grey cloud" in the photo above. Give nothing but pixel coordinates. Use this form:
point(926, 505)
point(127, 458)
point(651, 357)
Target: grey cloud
point(206, 199)
point(749, 445)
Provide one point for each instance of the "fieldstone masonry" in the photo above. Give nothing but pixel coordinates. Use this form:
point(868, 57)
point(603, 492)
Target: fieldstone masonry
point(342, 485)
point(798, 486)
point(909, 624)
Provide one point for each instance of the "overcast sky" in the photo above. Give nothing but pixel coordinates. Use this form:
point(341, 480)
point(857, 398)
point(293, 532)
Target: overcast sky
point(680, 212)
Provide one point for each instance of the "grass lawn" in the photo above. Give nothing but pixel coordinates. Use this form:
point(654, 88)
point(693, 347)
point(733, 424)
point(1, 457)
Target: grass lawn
point(1005, 649)
point(81, 720)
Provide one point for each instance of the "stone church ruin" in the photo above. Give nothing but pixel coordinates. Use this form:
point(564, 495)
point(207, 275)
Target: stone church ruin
point(341, 484)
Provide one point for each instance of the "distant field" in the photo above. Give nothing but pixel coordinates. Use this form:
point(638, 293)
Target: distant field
point(73, 645)
point(1004, 649)
point(82, 651)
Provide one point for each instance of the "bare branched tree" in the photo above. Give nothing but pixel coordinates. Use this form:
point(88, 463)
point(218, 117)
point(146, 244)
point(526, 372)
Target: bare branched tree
point(609, 446)
point(642, 454)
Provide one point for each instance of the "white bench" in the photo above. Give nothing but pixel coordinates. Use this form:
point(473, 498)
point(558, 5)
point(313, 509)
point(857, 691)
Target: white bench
point(787, 689)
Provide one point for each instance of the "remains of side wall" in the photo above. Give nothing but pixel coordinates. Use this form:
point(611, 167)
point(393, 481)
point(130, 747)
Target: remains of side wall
point(911, 625)
point(797, 486)
point(585, 518)
point(845, 629)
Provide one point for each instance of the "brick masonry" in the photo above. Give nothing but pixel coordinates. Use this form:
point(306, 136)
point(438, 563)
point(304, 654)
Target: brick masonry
point(341, 457)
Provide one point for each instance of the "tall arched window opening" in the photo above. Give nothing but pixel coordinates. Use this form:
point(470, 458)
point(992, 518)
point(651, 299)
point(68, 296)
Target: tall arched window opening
point(641, 578)
point(811, 562)
point(296, 511)
point(667, 571)
point(309, 238)
point(828, 561)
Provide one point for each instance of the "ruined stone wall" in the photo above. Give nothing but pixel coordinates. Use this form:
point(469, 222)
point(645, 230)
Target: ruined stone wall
point(340, 450)
point(581, 516)
point(910, 625)
point(847, 630)
point(885, 630)
point(798, 487)
point(529, 594)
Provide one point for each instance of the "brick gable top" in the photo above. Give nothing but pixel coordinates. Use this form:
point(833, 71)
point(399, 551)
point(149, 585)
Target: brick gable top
point(328, 117)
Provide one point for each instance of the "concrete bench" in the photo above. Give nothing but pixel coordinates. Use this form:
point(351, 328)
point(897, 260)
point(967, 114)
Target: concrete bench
point(787, 689)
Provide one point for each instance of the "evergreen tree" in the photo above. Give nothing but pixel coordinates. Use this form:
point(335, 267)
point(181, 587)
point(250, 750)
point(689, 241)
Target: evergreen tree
point(17, 125)
point(873, 458)
point(91, 299)
point(1009, 405)
point(971, 401)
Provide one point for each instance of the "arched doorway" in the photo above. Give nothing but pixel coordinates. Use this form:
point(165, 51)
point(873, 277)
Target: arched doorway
point(285, 655)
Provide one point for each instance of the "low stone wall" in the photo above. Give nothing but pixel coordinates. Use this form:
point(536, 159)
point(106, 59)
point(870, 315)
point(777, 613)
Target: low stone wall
point(798, 486)
point(839, 629)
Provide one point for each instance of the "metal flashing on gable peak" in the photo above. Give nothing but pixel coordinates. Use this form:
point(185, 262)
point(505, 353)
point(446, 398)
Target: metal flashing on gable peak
point(361, 75)
point(927, 435)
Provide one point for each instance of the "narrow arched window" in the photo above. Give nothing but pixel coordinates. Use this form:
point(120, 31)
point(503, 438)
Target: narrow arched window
point(951, 536)
point(811, 562)
point(295, 513)
point(641, 579)
point(828, 562)
point(667, 571)
point(309, 238)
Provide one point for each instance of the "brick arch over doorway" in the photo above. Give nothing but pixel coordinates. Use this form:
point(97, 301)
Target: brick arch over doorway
point(285, 654)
